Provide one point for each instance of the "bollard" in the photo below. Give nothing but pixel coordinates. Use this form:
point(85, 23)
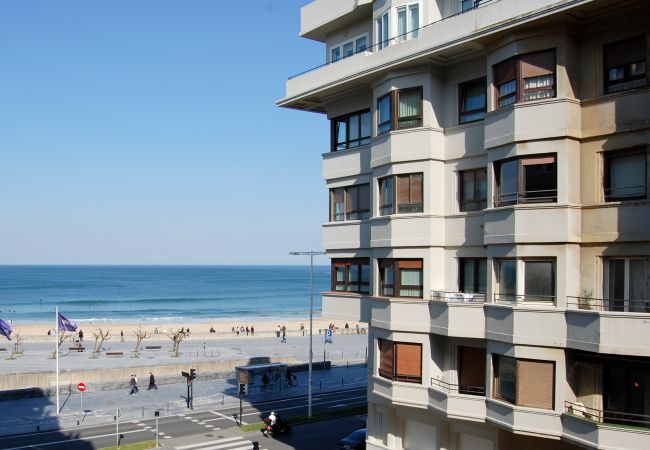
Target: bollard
point(256, 445)
point(143, 412)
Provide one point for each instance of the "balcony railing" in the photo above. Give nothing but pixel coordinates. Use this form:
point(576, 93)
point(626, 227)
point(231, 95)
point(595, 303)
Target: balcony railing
point(451, 388)
point(605, 304)
point(465, 297)
point(525, 197)
point(399, 38)
point(525, 299)
point(609, 417)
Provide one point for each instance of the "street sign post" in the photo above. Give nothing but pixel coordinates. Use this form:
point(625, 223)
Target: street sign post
point(82, 388)
point(328, 336)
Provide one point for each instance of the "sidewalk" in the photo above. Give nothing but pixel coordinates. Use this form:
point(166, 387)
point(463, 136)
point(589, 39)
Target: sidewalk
point(100, 407)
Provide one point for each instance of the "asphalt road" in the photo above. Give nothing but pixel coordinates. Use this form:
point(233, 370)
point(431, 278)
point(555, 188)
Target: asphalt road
point(214, 424)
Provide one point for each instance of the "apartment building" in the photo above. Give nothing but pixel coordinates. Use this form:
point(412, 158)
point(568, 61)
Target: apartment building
point(489, 215)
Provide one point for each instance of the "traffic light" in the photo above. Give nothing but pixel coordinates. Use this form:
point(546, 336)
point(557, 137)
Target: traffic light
point(242, 389)
point(192, 374)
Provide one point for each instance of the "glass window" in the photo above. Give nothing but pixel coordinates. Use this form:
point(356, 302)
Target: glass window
point(526, 180)
point(505, 369)
point(408, 22)
point(401, 278)
point(336, 54)
point(361, 44)
point(386, 196)
point(466, 5)
point(534, 73)
point(627, 284)
point(351, 131)
point(508, 182)
point(539, 281)
point(348, 49)
point(625, 64)
point(382, 31)
point(384, 114)
point(409, 111)
point(351, 275)
point(350, 203)
point(337, 205)
point(625, 175)
point(473, 275)
point(473, 101)
point(409, 193)
point(473, 190)
point(401, 361)
point(507, 279)
point(388, 281)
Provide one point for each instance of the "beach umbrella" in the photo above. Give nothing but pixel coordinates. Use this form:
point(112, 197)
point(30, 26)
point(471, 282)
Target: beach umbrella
point(5, 329)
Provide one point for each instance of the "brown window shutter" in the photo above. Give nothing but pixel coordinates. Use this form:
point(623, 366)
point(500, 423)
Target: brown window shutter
point(364, 197)
point(408, 361)
point(416, 188)
point(538, 64)
point(537, 161)
point(403, 189)
point(471, 366)
point(625, 52)
point(337, 195)
point(386, 358)
point(505, 71)
point(352, 194)
point(410, 264)
point(535, 383)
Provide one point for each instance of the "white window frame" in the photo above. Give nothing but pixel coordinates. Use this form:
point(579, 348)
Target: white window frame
point(340, 46)
point(383, 18)
point(411, 31)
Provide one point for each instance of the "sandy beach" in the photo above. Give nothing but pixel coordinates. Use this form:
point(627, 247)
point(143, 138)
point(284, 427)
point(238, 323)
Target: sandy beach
point(223, 328)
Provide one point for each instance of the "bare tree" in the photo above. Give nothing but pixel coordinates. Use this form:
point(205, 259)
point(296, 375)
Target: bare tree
point(177, 337)
point(60, 339)
point(140, 335)
point(18, 340)
point(100, 337)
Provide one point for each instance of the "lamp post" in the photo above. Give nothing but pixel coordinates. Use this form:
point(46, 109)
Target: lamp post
point(311, 254)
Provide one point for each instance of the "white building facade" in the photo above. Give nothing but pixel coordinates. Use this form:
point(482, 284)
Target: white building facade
point(489, 215)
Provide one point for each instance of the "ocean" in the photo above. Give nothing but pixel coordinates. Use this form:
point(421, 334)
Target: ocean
point(158, 293)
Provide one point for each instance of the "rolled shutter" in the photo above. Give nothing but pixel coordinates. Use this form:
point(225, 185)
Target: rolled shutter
point(364, 197)
point(408, 359)
point(535, 383)
point(416, 188)
point(625, 52)
point(403, 189)
point(471, 367)
point(352, 194)
point(538, 64)
point(410, 264)
point(505, 71)
point(537, 161)
point(386, 358)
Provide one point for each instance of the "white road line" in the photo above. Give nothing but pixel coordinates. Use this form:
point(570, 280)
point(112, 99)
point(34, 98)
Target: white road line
point(35, 446)
point(211, 420)
point(223, 416)
point(247, 445)
point(218, 441)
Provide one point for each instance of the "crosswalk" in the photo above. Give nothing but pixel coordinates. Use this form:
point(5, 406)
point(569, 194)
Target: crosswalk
point(229, 443)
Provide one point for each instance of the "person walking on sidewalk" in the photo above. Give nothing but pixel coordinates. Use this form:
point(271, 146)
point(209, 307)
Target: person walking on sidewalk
point(152, 382)
point(134, 385)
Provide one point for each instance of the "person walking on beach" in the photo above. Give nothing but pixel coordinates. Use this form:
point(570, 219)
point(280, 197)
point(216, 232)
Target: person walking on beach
point(302, 328)
point(247, 330)
point(134, 385)
point(152, 382)
point(284, 335)
point(81, 336)
point(121, 336)
point(277, 331)
point(252, 330)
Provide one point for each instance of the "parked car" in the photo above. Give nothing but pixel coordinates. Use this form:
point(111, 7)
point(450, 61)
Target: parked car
point(355, 440)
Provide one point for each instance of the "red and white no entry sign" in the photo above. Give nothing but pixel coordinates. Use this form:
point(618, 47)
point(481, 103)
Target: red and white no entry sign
point(81, 387)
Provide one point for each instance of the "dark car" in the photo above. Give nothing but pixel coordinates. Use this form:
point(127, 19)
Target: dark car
point(355, 441)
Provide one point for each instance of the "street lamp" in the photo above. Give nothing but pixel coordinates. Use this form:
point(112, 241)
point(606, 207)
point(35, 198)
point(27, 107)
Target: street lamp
point(311, 254)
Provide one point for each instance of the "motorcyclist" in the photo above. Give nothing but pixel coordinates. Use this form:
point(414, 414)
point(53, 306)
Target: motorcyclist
point(273, 419)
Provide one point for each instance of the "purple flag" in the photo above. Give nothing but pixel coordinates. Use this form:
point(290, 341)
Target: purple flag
point(5, 329)
point(66, 324)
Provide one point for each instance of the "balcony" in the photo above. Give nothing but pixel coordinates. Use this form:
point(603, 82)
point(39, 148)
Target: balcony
point(346, 163)
point(623, 111)
point(532, 223)
point(400, 314)
point(346, 306)
point(544, 119)
point(589, 427)
point(407, 145)
point(608, 326)
point(457, 402)
point(540, 422)
point(407, 394)
point(407, 230)
point(346, 235)
point(457, 314)
point(532, 320)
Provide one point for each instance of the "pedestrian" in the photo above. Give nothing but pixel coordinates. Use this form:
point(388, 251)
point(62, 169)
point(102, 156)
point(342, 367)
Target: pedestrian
point(247, 330)
point(134, 385)
point(252, 330)
point(302, 328)
point(152, 382)
point(121, 336)
point(277, 331)
point(81, 335)
point(357, 328)
point(284, 335)
point(237, 331)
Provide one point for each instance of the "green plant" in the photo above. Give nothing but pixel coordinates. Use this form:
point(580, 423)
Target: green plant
point(586, 300)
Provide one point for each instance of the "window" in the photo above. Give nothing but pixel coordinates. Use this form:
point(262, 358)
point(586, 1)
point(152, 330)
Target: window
point(407, 195)
point(473, 275)
point(526, 180)
point(626, 284)
point(473, 190)
point(400, 361)
point(408, 22)
point(351, 131)
point(625, 64)
point(351, 275)
point(382, 31)
point(625, 175)
point(524, 78)
point(524, 382)
point(539, 281)
point(350, 203)
point(466, 5)
point(349, 48)
point(473, 101)
point(507, 279)
point(407, 113)
point(336, 54)
point(471, 370)
point(401, 277)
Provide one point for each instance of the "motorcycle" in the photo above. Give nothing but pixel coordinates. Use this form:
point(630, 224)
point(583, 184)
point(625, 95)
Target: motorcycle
point(281, 427)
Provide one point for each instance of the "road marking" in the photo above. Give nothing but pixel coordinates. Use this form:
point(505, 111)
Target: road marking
point(35, 446)
point(340, 405)
point(218, 441)
point(210, 420)
point(223, 416)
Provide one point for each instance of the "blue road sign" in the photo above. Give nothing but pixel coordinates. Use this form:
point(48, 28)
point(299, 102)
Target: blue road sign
point(328, 336)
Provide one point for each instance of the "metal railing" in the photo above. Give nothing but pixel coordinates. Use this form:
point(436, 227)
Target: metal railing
point(465, 297)
point(525, 299)
point(525, 197)
point(452, 388)
point(606, 304)
point(609, 417)
point(411, 34)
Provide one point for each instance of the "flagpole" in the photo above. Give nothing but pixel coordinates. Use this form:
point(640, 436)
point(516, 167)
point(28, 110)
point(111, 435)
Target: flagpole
point(56, 352)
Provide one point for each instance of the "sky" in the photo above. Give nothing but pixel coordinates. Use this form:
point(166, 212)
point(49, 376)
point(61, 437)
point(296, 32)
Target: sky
point(146, 132)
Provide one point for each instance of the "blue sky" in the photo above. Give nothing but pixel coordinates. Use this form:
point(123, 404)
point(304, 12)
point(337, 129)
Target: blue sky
point(146, 132)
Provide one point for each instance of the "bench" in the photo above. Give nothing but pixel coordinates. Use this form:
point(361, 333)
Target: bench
point(76, 349)
point(152, 347)
point(114, 353)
